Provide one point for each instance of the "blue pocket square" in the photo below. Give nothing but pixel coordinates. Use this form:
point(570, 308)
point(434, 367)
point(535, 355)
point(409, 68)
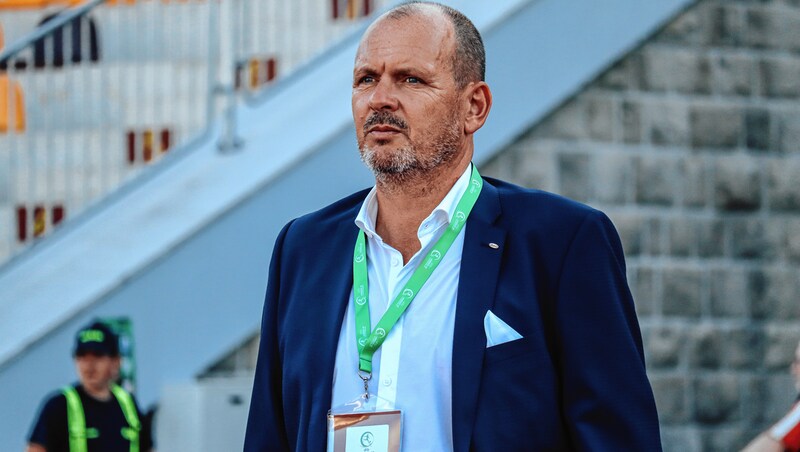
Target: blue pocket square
point(497, 331)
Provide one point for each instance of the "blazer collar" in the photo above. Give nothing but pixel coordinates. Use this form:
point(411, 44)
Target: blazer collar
point(480, 265)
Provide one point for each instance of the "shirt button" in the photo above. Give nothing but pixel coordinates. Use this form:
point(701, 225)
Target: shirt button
point(387, 381)
point(395, 262)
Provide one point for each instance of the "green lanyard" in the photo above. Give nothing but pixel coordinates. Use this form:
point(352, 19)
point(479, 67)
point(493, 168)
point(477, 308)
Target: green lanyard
point(369, 341)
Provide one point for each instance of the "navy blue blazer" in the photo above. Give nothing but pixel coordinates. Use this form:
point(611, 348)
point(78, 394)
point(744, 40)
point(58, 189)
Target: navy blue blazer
point(575, 381)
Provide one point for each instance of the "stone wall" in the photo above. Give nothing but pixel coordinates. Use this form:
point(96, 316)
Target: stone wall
point(691, 144)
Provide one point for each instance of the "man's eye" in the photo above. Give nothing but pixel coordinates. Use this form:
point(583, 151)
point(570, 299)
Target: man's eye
point(366, 79)
point(413, 80)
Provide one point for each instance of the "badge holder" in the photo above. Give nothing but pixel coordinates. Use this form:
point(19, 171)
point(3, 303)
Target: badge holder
point(364, 425)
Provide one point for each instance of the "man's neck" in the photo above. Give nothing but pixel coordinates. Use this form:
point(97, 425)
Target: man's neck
point(401, 210)
point(102, 393)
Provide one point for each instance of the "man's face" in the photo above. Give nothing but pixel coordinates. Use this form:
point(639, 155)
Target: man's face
point(796, 368)
point(96, 371)
point(406, 105)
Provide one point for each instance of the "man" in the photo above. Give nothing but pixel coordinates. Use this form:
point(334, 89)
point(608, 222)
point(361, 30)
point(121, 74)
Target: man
point(785, 435)
point(96, 414)
point(522, 337)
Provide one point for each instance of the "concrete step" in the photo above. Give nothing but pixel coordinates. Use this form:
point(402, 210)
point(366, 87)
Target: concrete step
point(70, 169)
point(62, 164)
point(158, 30)
point(11, 242)
point(8, 242)
point(17, 23)
point(178, 31)
point(114, 94)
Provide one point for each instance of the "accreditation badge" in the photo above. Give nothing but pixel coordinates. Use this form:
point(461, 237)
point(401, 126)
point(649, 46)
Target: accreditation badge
point(358, 427)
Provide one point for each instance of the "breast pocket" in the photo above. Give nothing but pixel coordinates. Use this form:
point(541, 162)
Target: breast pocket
point(508, 350)
point(518, 406)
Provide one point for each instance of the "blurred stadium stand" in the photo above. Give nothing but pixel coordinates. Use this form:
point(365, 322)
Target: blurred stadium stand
point(173, 158)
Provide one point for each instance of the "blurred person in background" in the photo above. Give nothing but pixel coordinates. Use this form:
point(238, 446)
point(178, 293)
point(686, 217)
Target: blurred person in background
point(96, 414)
point(785, 435)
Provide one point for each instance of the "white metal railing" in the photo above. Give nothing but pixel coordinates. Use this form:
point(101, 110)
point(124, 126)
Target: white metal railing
point(99, 92)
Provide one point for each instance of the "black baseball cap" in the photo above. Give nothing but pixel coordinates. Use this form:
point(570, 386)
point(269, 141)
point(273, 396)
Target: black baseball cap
point(96, 338)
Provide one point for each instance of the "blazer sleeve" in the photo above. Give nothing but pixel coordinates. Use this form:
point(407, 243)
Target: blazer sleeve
point(606, 394)
point(265, 423)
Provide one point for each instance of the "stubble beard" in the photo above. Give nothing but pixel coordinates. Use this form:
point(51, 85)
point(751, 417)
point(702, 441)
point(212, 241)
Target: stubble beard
point(398, 168)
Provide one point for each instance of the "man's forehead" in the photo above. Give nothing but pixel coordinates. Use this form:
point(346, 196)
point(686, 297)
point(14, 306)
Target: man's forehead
point(421, 12)
point(424, 23)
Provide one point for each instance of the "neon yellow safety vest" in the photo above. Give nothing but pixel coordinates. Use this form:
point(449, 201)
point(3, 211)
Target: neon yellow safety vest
point(76, 420)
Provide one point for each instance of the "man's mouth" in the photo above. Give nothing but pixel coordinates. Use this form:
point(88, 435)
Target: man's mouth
point(384, 124)
point(383, 129)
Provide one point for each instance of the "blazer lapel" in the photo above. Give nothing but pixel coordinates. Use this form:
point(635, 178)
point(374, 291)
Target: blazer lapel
point(480, 265)
point(341, 284)
point(330, 317)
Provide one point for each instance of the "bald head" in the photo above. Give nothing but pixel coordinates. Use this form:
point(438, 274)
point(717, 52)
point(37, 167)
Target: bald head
point(469, 57)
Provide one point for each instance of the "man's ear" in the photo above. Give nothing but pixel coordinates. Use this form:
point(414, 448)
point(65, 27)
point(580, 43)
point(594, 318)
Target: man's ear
point(479, 99)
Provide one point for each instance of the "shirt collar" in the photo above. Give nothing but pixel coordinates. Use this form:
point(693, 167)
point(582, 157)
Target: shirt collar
point(442, 214)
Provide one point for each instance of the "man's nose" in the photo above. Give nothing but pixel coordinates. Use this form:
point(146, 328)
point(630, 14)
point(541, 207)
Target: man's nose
point(383, 96)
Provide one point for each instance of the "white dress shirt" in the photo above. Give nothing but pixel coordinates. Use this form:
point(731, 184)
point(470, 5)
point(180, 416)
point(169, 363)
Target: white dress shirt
point(412, 370)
